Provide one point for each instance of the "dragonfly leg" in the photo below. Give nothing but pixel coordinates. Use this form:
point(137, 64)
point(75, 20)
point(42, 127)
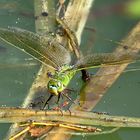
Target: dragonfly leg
point(85, 75)
point(64, 104)
point(58, 98)
point(69, 98)
point(70, 90)
point(47, 101)
point(69, 111)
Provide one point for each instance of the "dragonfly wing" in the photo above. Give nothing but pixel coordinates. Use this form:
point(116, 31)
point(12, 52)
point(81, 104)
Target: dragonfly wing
point(59, 54)
point(35, 45)
point(104, 59)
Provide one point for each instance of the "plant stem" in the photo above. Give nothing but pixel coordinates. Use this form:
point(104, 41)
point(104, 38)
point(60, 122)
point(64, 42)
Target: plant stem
point(14, 115)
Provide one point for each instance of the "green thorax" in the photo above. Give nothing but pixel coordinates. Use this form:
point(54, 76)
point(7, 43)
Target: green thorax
point(64, 76)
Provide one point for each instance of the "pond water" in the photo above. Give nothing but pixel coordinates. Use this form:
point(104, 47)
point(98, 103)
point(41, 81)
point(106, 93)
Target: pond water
point(16, 76)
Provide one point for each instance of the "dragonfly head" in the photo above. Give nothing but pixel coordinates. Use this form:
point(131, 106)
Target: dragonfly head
point(55, 86)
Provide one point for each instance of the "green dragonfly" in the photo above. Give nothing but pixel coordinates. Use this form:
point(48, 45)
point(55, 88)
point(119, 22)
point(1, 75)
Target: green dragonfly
point(54, 55)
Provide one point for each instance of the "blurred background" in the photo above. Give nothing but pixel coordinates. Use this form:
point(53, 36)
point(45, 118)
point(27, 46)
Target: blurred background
point(108, 20)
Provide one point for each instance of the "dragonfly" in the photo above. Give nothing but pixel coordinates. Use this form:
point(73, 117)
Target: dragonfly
point(54, 55)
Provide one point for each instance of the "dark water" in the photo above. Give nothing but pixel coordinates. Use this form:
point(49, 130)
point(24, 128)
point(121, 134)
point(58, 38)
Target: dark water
point(121, 99)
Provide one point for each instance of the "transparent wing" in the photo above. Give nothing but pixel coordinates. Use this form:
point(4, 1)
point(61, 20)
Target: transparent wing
point(104, 59)
point(49, 53)
point(58, 54)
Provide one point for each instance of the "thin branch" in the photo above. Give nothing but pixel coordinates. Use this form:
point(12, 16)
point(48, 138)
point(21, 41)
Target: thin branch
point(14, 115)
